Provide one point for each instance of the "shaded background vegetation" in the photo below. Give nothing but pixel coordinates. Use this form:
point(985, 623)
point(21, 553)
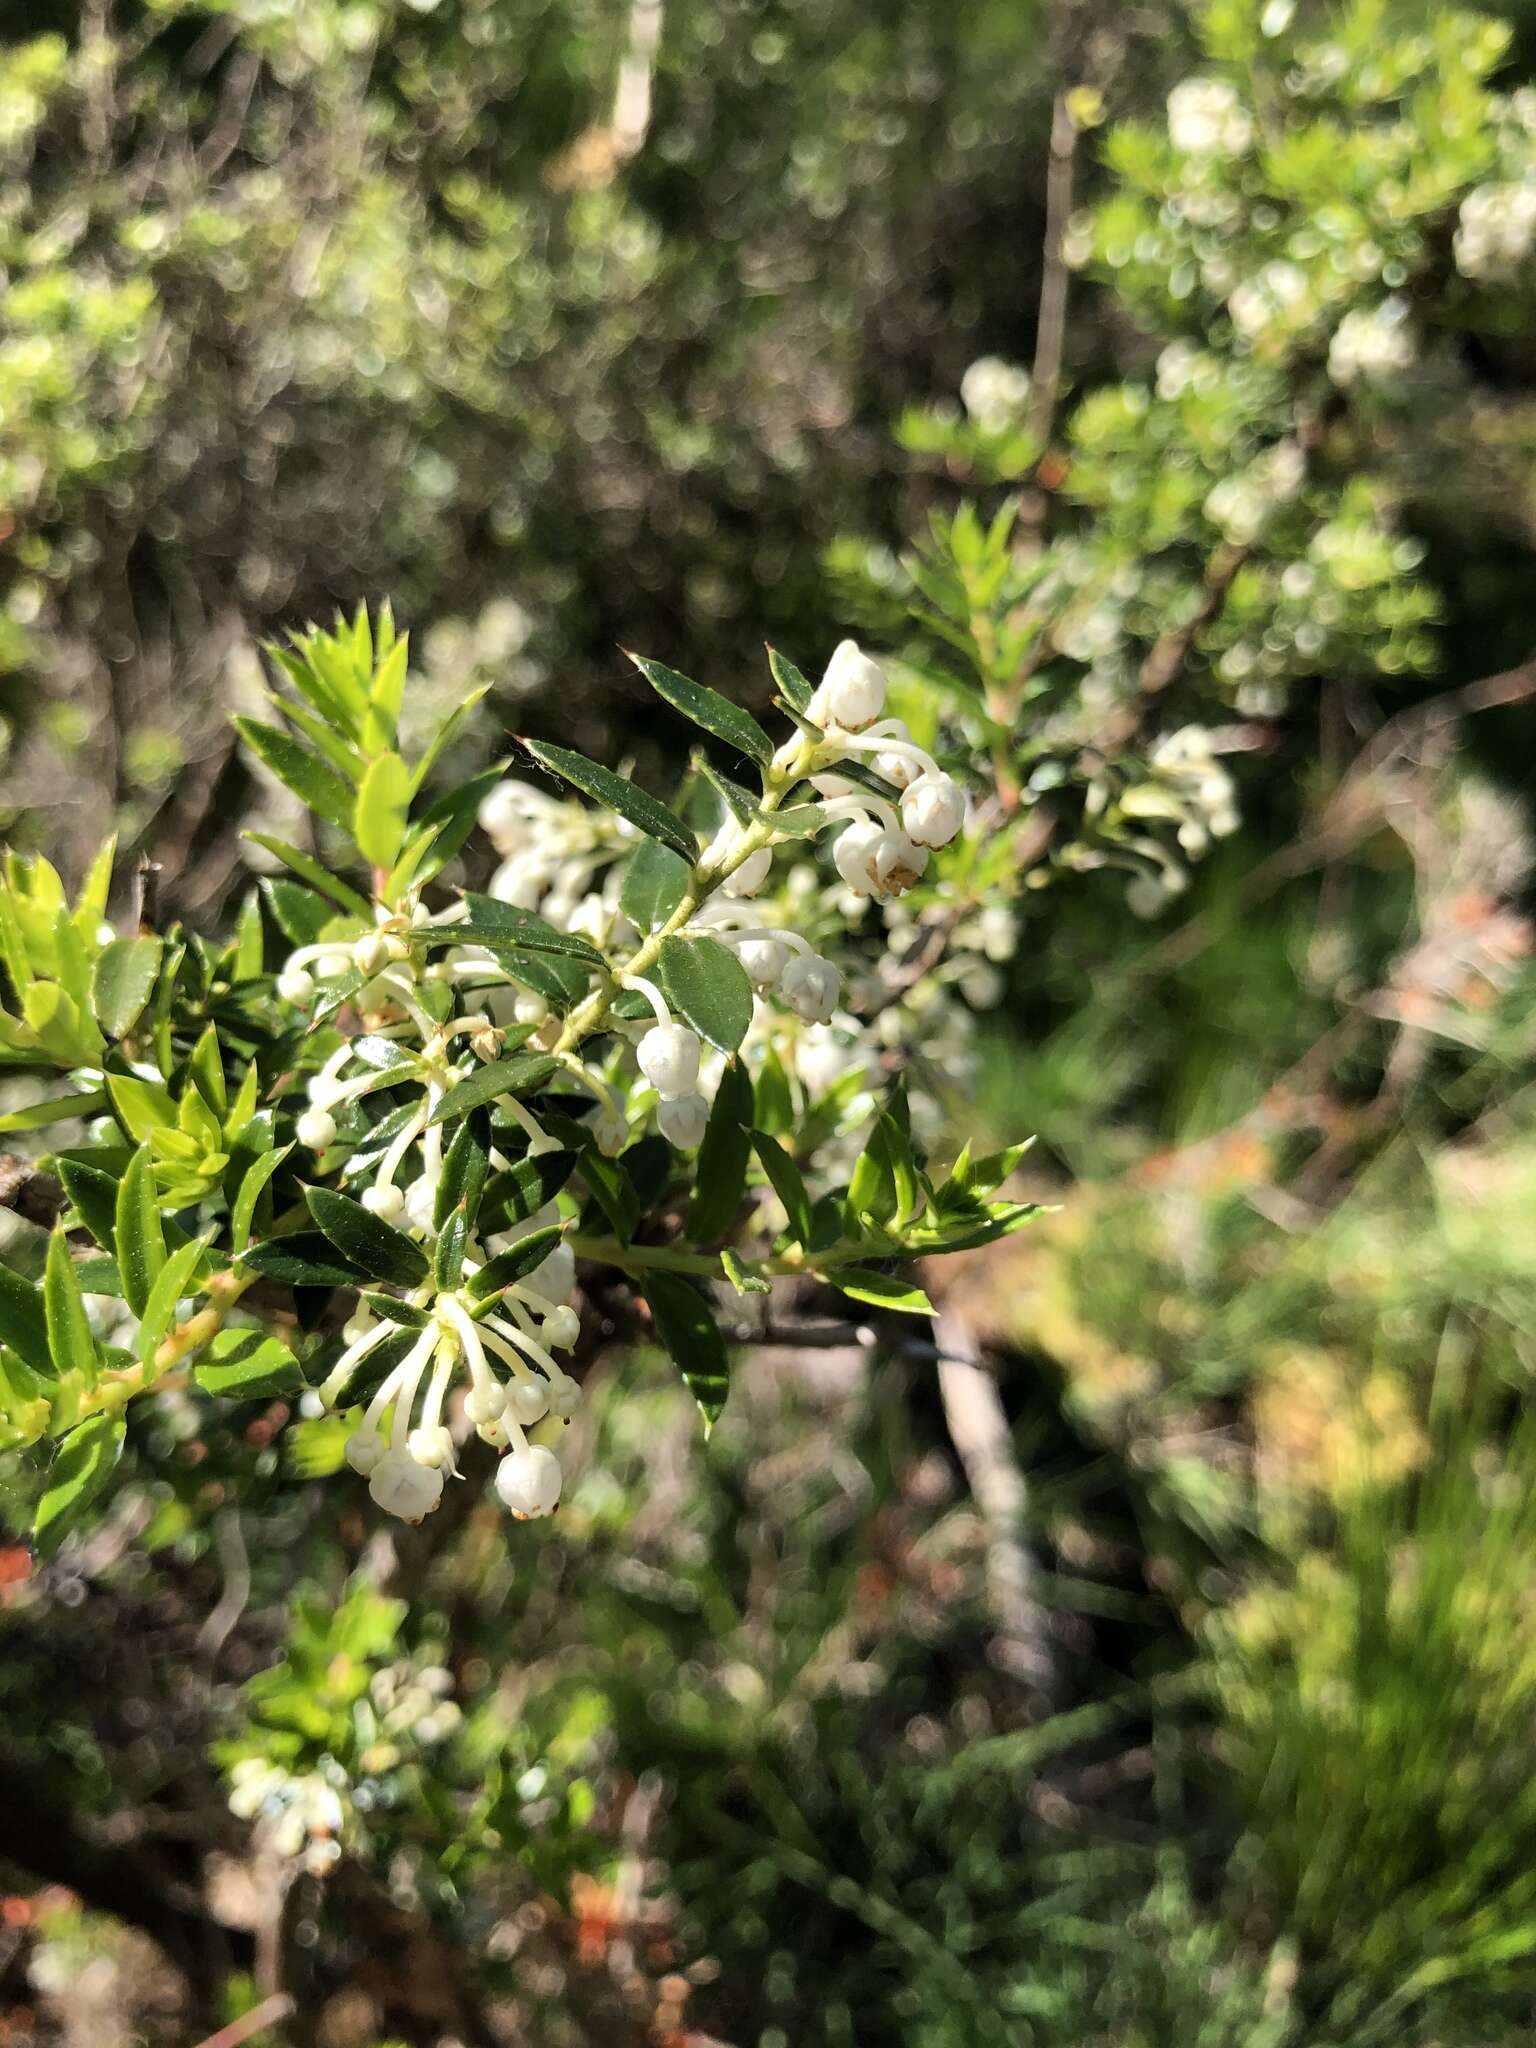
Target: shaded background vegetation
point(566, 339)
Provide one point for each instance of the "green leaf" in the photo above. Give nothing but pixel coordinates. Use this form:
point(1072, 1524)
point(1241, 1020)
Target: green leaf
point(612, 1189)
point(23, 1324)
point(142, 1106)
point(93, 1197)
point(378, 822)
point(881, 1290)
point(394, 1310)
point(441, 830)
point(618, 795)
point(707, 983)
point(71, 1340)
point(312, 782)
point(493, 923)
point(86, 1460)
point(444, 735)
point(741, 804)
point(786, 1182)
point(655, 882)
point(242, 1214)
point(205, 1068)
point(138, 1235)
point(707, 708)
point(122, 981)
point(246, 1365)
point(304, 1258)
point(448, 1262)
point(300, 914)
point(519, 1075)
point(174, 1280)
point(309, 870)
point(37, 1115)
point(792, 685)
point(466, 1168)
point(523, 1190)
point(515, 1263)
point(721, 1176)
point(370, 1243)
point(686, 1326)
point(741, 1277)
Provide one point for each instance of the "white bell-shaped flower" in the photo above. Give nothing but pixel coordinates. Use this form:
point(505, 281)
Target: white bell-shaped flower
point(854, 855)
point(851, 694)
point(682, 1120)
point(669, 1059)
point(764, 960)
point(610, 1130)
point(528, 1482)
point(811, 986)
point(484, 1402)
point(751, 875)
point(898, 863)
point(364, 1448)
point(560, 1328)
point(528, 1401)
point(555, 1276)
point(401, 1486)
point(296, 985)
point(385, 1200)
point(932, 810)
point(432, 1446)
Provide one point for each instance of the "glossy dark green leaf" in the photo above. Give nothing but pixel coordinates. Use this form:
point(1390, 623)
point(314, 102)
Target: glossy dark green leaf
point(366, 1240)
point(138, 1235)
point(448, 1261)
point(494, 923)
point(792, 685)
point(522, 1190)
point(707, 708)
point(247, 1365)
point(519, 1075)
point(466, 1168)
point(786, 1182)
point(93, 1197)
point(23, 1324)
point(79, 1475)
point(617, 795)
point(242, 1215)
point(175, 1280)
point(686, 1325)
point(304, 1258)
point(393, 1310)
point(740, 802)
point(300, 914)
point(721, 1176)
point(515, 1263)
point(708, 985)
point(655, 882)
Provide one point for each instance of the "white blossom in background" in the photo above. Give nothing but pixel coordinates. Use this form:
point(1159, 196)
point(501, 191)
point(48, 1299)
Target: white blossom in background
point(1372, 344)
point(1206, 118)
point(994, 393)
point(1278, 302)
point(1496, 230)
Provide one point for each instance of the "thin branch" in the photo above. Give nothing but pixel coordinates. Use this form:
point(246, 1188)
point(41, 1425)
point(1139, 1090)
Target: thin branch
point(1051, 327)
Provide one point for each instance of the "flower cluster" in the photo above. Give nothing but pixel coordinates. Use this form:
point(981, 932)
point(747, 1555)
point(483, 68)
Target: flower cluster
point(1496, 230)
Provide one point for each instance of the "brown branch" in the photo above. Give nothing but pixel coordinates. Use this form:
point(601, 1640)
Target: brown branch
point(35, 1197)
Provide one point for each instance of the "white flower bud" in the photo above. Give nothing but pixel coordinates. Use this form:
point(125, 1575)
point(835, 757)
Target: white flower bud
point(296, 985)
point(431, 1447)
point(897, 863)
point(564, 1396)
point(402, 1487)
point(528, 1401)
point(681, 1120)
point(371, 953)
point(854, 855)
point(529, 1482)
point(852, 692)
point(484, 1402)
point(385, 1200)
point(764, 960)
point(899, 769)
point(751, 875)
point(610, 1130)
point(811, 987)
point(933, 810)
point(364, 1448)
point(669, 1058)
point(530, 1008)
point(331, 966)
point(316, 1128)
point(560, 1329)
